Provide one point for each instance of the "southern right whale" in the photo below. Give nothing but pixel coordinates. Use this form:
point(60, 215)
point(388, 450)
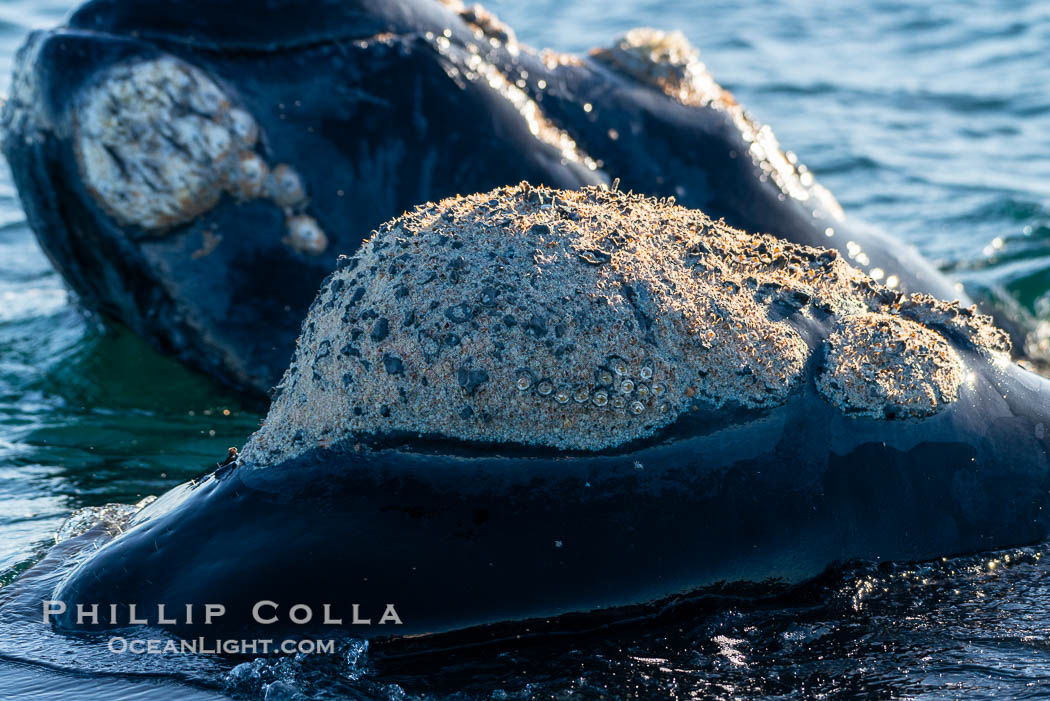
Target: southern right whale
point(524, 404)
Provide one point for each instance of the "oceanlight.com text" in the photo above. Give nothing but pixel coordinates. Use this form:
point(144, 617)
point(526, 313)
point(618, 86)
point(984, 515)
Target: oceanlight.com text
point(214, 646)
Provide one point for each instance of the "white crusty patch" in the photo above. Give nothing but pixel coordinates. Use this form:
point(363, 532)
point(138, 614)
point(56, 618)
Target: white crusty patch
point(885, 366)
point(485, 23)
point(669, 62)
point(585, 320)
point(158, 142)
point(21, 116)
point(574, 320)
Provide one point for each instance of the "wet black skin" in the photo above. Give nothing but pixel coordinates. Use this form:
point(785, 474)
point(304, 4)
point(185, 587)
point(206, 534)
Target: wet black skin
point(389, 125)
point(461, 538)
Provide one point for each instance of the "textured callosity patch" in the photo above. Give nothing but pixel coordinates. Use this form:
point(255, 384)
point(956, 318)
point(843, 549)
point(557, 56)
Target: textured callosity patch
point(667, 61)
point(583, 320)
point(886, 366)
point(158, 142)
point(484, 22)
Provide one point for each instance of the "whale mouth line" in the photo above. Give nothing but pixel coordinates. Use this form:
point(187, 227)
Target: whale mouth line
point(412, 446)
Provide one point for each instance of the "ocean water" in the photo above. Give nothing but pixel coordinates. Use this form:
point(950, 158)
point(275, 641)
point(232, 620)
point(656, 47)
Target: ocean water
point(929, 120)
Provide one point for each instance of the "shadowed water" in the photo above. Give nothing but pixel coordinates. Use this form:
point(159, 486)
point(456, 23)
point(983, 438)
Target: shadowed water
point(931, 121)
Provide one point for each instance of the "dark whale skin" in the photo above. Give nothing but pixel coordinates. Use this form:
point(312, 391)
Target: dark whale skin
point(373, 130)
point(464, 538)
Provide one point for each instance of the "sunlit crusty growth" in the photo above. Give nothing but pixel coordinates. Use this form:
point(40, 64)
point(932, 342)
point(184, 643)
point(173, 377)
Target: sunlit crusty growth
point(669, 62)
point(888, 367)
point(485, 23)
point(579, 320)
point(158, 142)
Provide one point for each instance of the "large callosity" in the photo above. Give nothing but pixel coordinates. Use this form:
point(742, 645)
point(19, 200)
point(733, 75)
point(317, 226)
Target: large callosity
point(589, 319)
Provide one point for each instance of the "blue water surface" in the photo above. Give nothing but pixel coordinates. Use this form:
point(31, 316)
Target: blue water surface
point(929, 120)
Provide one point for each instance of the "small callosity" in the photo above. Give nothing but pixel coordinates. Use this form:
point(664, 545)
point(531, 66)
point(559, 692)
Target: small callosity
point(670, 63)
point(885, 366)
